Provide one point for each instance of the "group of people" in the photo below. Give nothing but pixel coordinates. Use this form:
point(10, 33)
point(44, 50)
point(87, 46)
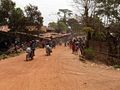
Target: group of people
point(77, 44)
point(31, 45)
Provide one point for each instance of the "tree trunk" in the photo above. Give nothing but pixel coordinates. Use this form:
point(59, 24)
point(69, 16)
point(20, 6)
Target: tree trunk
point(87, 25)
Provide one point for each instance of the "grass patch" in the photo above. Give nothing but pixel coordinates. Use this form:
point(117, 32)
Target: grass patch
point(89, 53)
point(5, 56)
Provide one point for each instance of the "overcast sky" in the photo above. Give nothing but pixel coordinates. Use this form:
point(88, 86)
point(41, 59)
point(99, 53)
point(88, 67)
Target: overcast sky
point(47, 7)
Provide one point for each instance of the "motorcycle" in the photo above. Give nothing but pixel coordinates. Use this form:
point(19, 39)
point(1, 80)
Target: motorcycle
point(48, 50)
point(29, 55)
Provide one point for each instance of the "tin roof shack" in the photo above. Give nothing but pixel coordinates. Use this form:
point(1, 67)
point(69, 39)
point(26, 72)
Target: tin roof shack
point(50, 29)
point(4, 28)
point(44, 29)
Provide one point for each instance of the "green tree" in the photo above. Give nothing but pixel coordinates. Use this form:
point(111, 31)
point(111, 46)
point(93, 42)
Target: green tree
point(62, 27)
point(53, 25)
point(109, 10)
point(16, 20)
point(34, 16)
point(74, 24)
point(86, 9)
point(6, 8)
point(64, 14)
point(115, 27)
point(96, 23)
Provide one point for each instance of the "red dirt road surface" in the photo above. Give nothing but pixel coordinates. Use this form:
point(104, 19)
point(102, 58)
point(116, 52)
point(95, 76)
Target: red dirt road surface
point(61, 71)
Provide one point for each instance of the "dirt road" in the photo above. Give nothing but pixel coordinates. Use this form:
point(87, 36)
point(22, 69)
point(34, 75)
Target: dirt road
point(61, 71)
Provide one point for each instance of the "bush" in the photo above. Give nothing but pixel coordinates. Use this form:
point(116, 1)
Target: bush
point(89, 53)
point(116, 66)
point(3, 56)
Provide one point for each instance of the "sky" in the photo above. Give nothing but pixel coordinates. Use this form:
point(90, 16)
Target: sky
point(48, 8)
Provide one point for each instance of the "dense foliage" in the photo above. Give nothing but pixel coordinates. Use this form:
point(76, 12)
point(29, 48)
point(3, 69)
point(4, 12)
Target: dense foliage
point(15, 17)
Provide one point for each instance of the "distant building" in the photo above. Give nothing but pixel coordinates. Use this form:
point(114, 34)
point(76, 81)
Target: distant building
point(50, 29)
point(4, 28)
point(44, 28)
point(31, 28)
point(35, 28)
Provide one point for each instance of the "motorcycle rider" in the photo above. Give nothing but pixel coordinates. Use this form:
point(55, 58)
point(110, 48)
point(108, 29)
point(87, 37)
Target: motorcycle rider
point(48, 48)
point(28, 51)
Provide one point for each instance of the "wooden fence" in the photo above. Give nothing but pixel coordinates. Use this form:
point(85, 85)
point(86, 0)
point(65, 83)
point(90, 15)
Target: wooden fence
point(106, 53)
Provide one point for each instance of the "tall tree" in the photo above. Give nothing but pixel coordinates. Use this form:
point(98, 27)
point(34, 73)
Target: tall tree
point(53, 25)
point(16, 20)
point(109, 10)
point(62, 27)
point(86, 8)
point(7, 6)
point(74, 24)
point(34, 16)
point(64, 14)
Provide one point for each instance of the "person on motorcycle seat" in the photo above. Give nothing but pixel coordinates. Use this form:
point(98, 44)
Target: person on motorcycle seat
point(48, 49)
point(28, 51)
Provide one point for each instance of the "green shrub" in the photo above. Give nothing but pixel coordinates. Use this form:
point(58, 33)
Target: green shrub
point(89, 53)
point(3, 56)
point(116, 66)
